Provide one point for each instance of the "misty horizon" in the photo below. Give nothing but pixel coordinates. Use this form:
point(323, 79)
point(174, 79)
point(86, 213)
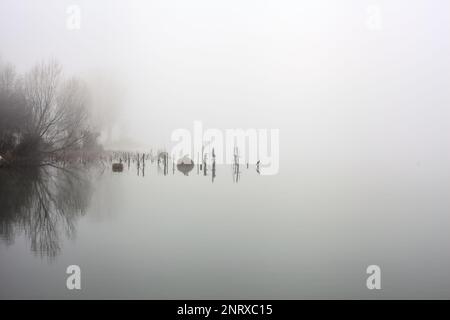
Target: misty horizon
point(254, 65)
point(124, 154)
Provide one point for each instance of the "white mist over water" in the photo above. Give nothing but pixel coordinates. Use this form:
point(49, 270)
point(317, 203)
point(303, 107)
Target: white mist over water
point(364, 122)
point(315, 70)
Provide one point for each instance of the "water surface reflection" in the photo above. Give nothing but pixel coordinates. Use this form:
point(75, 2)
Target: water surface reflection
point(44, 203)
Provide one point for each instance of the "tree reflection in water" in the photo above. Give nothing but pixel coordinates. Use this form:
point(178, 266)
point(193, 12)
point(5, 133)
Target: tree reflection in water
point(44, 204)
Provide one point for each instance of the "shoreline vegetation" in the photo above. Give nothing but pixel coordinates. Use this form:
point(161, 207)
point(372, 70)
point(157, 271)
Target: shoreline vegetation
point(44, 117)
point(50, 119)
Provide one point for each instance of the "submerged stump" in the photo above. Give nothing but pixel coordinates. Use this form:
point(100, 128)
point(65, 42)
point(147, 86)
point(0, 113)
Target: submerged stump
point(117, 167)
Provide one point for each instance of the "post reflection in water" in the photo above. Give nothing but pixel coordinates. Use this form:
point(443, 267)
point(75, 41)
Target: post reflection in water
point(44, 203)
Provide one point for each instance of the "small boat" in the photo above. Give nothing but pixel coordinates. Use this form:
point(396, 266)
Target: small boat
point(185, 165)
point(117, 167)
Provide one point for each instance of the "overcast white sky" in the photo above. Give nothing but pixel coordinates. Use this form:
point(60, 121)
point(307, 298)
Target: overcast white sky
point(316, 70)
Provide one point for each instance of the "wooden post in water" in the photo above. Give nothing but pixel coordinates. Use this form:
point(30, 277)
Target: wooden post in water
point(198, 164)
point(138, 163)
point(213, 165)
point(236, 164)
point(166, 163)
point(204, 165)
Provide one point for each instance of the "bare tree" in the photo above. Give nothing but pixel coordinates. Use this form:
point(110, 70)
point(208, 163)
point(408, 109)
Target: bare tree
point(41, 85)
point(71, 121)
point(7, 78)
point(58, 108)
point(13, 109)
point(42, 114)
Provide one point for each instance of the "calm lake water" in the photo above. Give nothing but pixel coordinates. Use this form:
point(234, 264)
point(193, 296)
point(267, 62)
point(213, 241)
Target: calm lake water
point(307, 232)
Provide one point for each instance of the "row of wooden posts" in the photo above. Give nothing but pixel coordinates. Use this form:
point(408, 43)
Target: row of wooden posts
point(162, 159)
